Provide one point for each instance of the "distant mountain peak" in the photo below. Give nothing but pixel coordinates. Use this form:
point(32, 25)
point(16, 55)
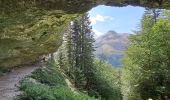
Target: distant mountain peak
point(112, 45)
point(110, 35)
point(111, 32)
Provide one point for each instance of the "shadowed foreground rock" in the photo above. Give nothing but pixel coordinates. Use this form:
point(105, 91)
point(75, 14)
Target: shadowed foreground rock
point(31, 28)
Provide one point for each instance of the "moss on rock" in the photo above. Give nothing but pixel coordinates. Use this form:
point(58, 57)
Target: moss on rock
point(28, 34)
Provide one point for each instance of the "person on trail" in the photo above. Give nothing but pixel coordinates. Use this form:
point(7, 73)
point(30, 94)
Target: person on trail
point(44, 58)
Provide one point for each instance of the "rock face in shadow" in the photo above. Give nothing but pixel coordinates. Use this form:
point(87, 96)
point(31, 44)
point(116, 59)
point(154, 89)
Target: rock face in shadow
point(31, 28)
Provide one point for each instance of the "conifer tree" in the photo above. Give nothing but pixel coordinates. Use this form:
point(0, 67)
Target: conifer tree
point(80, 52)
point(87, 50)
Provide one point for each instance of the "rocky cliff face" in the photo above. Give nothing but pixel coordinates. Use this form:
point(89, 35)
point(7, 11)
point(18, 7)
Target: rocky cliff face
point(26, 35)
point(31, 28)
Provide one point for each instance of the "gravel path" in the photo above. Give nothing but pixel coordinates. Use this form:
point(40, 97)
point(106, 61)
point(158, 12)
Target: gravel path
point(9, 82)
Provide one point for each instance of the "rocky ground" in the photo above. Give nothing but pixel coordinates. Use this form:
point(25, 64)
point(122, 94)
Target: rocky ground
point(9, 81)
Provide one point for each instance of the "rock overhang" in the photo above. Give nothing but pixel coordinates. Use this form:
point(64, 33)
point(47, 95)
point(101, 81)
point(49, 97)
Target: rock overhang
point(31, 28)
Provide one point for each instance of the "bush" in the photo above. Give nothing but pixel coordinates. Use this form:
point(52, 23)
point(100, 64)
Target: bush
point(48, 84)
point(35, 91)
point(48, 76)
point(106, 81)
point(63, 93)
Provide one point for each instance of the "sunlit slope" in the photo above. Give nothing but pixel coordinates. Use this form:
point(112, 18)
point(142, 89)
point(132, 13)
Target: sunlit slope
point(111, 47)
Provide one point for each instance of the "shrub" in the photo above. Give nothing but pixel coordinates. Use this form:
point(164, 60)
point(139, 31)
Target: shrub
point(48, 76)
point(106, 81)
point(48, 84)
point(63, 93)
point(35, 91)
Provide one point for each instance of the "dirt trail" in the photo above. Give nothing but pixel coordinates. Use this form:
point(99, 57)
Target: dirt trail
point(9, 82)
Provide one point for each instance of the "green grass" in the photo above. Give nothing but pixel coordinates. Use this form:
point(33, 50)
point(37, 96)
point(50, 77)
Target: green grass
point(35, 91)
point(48, 84)
point(48, 76)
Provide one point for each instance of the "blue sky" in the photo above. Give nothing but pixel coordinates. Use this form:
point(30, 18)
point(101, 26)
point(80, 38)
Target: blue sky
point(119, 19)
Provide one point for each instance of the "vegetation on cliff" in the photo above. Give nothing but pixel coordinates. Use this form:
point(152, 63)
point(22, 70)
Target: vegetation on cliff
point(48, 83)
point(32, 28)
point(80, 77)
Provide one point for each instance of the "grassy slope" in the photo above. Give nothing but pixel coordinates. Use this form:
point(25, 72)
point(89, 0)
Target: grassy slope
point(48, 84)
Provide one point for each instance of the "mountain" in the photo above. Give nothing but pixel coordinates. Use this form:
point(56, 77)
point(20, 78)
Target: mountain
point(111, 46)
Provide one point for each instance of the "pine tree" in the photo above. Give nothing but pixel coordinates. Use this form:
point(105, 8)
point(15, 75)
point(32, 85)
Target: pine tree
point(87, 50)
point(80, 52)
point(69, 50)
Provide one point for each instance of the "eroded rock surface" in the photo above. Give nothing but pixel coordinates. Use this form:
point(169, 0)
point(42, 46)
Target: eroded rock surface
point(31, 28)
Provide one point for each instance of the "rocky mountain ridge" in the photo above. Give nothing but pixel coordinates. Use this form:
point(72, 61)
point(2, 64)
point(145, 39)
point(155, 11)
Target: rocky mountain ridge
point(111, 47)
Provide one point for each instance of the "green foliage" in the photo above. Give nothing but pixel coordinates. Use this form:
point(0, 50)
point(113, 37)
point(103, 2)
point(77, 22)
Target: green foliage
point(106, 81)
point(130, 79)
point(38, 91)
point(35, 91)
point(63, 93)
point(76, 54)
point(146, 63)
point(79, 78)
point(48, 76)
point(51, 63)
point(48, 84)
point(95, 78)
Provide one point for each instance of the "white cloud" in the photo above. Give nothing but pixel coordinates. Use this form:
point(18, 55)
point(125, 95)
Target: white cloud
point(97, 33)
point(108, 17)
point(99, 18)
